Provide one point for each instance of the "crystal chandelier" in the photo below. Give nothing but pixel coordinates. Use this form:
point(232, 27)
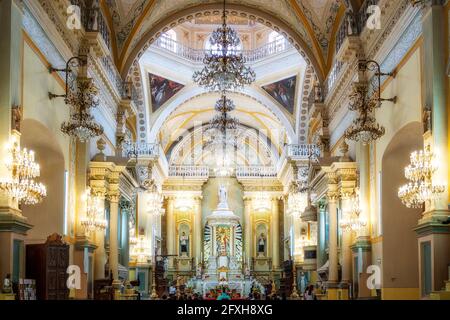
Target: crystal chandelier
point(155, 200)
point(420, 173)
point(21, 185)
point(365, 128)
point(352, 220)
point(95, 213)
point(141, 251)
point(224, 68)
point(82, 124)
point(84, 97)
point(296, 200)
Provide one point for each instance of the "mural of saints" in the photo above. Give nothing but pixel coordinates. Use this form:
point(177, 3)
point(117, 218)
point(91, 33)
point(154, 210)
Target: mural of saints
point(162, 90)
point(223, 241)
point(283, 92)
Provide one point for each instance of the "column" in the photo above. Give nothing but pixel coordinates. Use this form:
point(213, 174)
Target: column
point(99, 256)
point(113, 233)
point(363, 247)
point(333, 276)
point(10, 88)
point(248, 231)
point(346, 251)
point(275, 225)
point(430, 228)
point(170, 231)
point(321, 255)
point(198, 230)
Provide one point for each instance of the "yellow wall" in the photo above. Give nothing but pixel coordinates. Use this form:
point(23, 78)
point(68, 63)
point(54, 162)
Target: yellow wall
point(45, 116)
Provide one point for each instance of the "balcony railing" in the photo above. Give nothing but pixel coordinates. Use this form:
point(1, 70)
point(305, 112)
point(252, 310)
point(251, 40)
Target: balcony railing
point(302, 151)
point(256, 172)
point(197, 55)
point(92, 20)
point(189, 171)
point(140, 150)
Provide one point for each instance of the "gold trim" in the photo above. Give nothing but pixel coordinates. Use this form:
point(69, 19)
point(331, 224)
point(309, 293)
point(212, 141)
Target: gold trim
point(311, 34)
point(332, 46)
point(135, 29)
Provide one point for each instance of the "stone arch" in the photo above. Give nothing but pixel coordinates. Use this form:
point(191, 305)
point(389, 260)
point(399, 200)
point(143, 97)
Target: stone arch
point(190, 13)
point(400, 253)
point(48, 216)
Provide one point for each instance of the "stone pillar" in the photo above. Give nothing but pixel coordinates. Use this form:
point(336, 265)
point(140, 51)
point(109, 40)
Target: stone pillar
point(113, 233)
point(275, 225)
point(346, 251)
point(198, 230)
point(170, 231)
point(13, 224)
point(362, 247)
point(333, 276)
point(321, 254)
point(430, 228)
point(248, 231)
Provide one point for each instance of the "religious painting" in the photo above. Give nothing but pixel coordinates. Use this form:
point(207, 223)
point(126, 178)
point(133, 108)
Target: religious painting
point(161, 90)
point(283, 92)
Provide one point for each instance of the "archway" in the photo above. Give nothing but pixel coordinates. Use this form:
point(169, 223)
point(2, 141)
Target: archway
point(271, 21)
point(400, 254)
point(48, 216)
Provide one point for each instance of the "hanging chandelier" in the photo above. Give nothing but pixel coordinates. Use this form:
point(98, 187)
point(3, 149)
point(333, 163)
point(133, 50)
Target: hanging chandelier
point(81, 124)
point(95, 213)
point(81, 99)
point(420, 172)
point(352, 220)
point(21, 186)
point(155, 199)
point(296, 199)
point(224, 68)
point(141, 251)
point(365, 128)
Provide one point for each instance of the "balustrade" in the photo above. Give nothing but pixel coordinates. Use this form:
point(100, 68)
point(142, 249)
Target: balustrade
point(197, 55)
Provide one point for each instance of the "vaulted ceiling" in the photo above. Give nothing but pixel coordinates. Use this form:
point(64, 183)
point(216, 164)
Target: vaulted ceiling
point(310, 24)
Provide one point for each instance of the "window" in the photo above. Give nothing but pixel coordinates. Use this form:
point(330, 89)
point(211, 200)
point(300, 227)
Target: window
point(168, 40)
point(276, 42)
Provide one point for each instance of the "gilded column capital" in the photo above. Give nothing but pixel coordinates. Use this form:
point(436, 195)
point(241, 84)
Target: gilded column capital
point(332, 196)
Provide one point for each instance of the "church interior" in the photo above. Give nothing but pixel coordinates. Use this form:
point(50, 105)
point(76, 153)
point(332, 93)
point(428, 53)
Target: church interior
point(239, 149)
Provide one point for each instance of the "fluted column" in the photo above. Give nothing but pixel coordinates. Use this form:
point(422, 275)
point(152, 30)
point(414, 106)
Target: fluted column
point(198, 230)
point(321, 259)
point(345, 246)
point(100, 253)
point(275, 234)
point(113, 233)
point(333, 238)
point(248, 231)
point(170, 231)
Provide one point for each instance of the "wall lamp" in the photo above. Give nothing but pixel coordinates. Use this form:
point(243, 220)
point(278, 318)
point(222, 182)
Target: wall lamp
point(72, 63)
point(372, 65)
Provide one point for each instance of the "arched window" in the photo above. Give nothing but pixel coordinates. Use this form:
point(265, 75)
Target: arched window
point(276, 42)
point(168, 40)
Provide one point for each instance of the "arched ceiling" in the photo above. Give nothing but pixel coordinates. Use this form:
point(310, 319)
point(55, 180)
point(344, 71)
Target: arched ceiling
point(311, 24)
point(200, 109)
